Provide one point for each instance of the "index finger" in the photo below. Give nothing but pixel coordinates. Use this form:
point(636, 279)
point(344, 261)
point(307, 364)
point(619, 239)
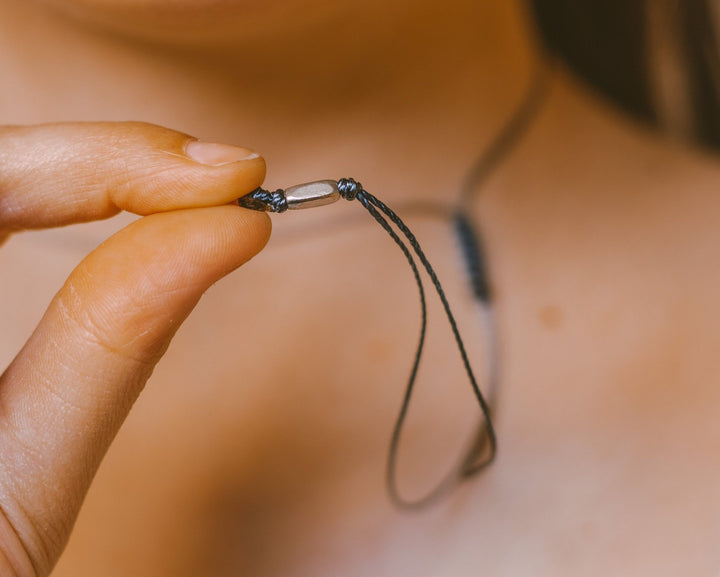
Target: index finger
point(57, 174)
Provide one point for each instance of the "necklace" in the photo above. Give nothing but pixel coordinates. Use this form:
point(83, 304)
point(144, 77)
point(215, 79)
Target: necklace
point(483, 448)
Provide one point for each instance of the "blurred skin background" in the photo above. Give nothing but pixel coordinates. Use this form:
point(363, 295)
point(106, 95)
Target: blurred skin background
point(259, 444)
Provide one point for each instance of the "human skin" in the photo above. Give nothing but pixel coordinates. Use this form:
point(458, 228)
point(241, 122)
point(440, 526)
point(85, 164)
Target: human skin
point(259, 444)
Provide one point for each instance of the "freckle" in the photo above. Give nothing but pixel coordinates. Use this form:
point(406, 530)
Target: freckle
point(551, 317)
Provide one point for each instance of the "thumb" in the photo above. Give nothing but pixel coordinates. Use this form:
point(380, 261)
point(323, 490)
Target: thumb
point(66, 394)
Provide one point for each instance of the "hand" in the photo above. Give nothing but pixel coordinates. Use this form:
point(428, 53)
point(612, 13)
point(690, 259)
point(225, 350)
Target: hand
point(67, 392)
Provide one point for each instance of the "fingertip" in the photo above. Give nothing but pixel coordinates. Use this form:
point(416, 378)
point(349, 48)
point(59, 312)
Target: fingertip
point(175, 183)
point(58, 174)
point(173, 171)
point(241, 234)
point(217, 154)
point(259, 227)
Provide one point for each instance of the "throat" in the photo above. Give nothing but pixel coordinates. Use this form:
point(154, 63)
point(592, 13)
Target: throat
point(401, 99)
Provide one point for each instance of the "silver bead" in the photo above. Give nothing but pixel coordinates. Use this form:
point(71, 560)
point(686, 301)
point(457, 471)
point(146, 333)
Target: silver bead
point(310, 194)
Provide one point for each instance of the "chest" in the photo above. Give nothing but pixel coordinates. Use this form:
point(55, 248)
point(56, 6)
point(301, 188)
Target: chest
point(259, 446)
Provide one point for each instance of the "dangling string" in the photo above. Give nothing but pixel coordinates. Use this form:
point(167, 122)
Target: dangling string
point(370, 202)
point(484, 448)
point(349, 189)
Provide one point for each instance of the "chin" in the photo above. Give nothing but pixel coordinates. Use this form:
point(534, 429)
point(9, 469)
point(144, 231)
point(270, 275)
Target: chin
point(173, 21)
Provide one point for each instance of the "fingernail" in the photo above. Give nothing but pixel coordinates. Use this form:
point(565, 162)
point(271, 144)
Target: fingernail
point(214, 154)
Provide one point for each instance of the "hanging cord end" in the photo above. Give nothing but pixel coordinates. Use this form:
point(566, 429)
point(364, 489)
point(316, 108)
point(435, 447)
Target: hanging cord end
point(323, 192)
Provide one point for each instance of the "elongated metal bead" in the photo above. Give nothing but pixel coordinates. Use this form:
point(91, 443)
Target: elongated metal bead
point(311, 194)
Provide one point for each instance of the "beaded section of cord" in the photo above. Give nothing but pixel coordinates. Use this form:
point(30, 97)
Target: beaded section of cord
point(308, 195)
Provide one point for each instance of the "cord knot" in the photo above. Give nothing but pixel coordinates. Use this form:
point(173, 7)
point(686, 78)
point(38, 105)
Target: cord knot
point(261, 199)
point(349, 188)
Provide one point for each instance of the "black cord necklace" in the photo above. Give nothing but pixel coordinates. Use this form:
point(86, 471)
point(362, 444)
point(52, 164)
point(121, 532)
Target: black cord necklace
point(484, 448)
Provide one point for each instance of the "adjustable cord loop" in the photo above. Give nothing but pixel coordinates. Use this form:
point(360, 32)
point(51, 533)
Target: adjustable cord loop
point(322, 192)
point(482, 451)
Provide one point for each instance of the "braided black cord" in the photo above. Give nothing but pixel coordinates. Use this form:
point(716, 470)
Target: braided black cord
point(484, 448)
point(473, 257)
point(350, 189)
point(469, 234)
point(510, 134)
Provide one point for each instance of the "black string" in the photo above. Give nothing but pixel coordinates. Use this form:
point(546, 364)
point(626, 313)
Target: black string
point(350, 190)
point(511, 133)
point(469, 233)
point(484, 447)
point(473, 257)
point(484, 166)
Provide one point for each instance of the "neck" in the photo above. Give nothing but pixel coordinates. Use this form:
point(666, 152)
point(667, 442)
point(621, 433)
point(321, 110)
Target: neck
point(407, 99)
